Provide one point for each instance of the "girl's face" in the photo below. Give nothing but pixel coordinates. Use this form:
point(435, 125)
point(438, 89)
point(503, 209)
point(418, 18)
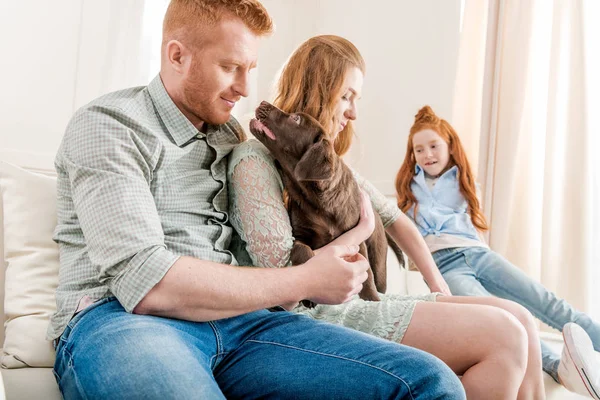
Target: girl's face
point(431, 152)
point(345, 108)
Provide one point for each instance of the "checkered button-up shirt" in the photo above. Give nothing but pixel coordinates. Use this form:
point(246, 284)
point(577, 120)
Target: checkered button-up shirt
point(138, 187)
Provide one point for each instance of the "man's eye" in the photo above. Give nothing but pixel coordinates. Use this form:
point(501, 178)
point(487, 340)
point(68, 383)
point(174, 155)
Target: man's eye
point(296, 118)
point(228, 68)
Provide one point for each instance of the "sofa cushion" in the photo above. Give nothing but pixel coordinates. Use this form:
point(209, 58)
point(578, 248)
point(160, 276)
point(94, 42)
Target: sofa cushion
point(31, 256)
point(30, 384)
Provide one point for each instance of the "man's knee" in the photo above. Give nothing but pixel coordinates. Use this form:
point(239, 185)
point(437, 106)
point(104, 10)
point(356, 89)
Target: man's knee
point(439, 382)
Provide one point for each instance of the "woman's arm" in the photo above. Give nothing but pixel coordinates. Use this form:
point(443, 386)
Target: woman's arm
point(360, 232)
point(258, 213)
point(406, 235)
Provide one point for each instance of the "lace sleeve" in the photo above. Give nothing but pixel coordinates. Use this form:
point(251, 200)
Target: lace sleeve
point(256, 207)
point(385, 207)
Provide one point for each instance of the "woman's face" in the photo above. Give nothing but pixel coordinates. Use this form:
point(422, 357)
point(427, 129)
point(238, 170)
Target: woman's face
point(345, 108)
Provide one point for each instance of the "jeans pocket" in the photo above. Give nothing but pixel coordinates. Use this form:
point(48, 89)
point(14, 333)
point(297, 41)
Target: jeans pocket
point(64, 337)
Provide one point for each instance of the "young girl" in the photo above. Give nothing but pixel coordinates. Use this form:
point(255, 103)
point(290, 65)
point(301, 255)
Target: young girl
point(475, 336)
point(436, 189)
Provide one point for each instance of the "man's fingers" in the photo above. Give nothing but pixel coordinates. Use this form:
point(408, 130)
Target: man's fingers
point(363, 277)
point(344, 251)
point(358, 261)
point(354, 292)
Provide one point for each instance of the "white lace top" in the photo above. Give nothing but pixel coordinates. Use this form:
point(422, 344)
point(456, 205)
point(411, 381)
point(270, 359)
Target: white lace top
point(265, 239)
point(256, 205)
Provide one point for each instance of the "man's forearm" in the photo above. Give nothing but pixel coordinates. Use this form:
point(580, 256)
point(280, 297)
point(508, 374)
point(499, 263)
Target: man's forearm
point(197, 290)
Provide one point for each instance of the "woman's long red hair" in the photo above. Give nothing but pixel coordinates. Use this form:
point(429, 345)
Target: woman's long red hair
point(426, 119)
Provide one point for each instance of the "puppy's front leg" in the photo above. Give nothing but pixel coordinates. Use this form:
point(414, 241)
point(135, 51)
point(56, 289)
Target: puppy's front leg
point(300, 254)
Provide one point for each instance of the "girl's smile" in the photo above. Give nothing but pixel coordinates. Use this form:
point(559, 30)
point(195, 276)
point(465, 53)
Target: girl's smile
point(431, 151)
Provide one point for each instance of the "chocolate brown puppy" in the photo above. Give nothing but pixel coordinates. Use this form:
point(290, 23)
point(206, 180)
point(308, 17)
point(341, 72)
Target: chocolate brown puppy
point(324, 198)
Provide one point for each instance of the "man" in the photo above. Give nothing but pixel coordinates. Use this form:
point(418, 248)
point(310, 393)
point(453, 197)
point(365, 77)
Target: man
point(151, 304)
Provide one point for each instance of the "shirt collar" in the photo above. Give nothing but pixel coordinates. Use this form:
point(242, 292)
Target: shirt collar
point(421, 171)
point(180, 128)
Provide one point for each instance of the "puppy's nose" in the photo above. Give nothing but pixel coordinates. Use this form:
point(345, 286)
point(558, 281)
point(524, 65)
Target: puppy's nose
point(262, 111)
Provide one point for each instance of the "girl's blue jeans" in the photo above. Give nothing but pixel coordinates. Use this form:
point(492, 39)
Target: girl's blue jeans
point(479, 271)
point(107, 353)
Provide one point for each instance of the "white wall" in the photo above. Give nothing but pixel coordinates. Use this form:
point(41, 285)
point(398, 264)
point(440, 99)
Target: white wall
point(39, 42)
point(58, 55)
point(410, 48)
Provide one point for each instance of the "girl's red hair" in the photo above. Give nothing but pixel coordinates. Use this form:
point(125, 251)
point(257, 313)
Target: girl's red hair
point(426, 119)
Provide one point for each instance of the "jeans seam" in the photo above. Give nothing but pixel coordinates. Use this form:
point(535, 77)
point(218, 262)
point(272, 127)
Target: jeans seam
point(338, 357)
point(71, 365)
point(446, 253)
point(467, 262)
point(219, 351)
point(519, 300)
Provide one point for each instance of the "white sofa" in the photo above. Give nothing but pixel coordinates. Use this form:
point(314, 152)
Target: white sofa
point(26, 197)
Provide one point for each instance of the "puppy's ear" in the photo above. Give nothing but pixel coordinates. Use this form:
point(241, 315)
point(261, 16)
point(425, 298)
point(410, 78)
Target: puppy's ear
point(316, 163)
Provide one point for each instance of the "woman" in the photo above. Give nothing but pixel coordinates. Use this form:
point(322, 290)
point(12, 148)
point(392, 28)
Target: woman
point(478, 338)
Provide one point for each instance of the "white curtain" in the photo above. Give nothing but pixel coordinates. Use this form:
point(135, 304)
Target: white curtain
point(524, 99)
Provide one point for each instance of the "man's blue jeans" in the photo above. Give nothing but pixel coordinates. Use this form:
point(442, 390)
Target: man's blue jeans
point(478, 271)
point(107, 353)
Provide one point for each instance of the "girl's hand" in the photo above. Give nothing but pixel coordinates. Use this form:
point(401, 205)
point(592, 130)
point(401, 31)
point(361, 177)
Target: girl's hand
point(440, 287)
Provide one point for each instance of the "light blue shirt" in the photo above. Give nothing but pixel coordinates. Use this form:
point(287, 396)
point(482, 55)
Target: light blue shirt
point(442, 209)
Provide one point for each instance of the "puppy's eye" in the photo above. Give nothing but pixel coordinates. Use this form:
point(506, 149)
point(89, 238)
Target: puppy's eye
point(316, 139)
point(296, 118)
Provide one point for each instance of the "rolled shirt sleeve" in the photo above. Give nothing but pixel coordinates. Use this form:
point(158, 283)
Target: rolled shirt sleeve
point(138, 186)
point(109, 171)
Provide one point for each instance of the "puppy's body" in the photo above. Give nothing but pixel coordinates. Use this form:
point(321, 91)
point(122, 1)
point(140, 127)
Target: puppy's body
point(324, 198)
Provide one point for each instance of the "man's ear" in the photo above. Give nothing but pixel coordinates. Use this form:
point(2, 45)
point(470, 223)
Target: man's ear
point(177, 55)
point(315, 165)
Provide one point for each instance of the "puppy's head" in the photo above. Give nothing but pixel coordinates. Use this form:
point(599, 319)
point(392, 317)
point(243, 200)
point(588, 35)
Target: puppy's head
point(297, 141)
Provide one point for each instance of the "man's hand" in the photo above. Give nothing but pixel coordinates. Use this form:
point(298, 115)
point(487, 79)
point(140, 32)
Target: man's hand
point(335, 274)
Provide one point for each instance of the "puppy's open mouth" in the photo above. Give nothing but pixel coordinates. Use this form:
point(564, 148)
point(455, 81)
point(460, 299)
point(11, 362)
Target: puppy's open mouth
point(257, 125)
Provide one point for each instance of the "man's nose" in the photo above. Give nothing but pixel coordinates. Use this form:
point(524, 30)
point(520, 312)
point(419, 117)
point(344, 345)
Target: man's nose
point(241, 85)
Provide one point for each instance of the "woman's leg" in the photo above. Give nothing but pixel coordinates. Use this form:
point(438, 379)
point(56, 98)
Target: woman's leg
point(480, 271)
point(486, 345)
point(533, 385)
point(462, 268)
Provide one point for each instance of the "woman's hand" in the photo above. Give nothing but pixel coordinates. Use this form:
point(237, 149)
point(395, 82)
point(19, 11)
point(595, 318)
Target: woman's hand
point(362, 231)
point(366, 224)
